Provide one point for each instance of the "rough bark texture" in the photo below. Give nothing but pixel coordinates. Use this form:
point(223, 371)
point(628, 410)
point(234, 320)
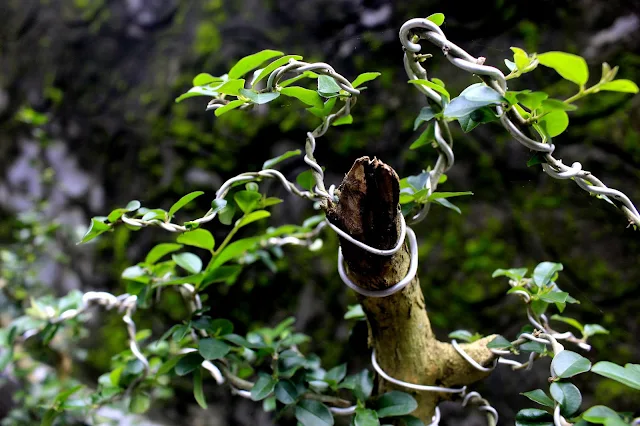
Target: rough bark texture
point(399, 327)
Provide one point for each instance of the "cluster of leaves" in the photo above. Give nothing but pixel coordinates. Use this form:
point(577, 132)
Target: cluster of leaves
point(548, 116)
point(543, 292)
point(414, 193)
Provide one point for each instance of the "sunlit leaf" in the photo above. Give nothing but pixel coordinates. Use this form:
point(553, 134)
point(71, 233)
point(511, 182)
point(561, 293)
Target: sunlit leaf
point(251, 62)
point(571, 67)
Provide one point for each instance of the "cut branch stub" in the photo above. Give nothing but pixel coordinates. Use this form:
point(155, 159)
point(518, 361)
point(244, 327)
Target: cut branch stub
point(368, 211)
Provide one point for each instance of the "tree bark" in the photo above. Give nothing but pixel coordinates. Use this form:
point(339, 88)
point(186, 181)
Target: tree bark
point(399, 327)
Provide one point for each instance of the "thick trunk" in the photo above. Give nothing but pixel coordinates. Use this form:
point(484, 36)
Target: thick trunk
point(399, 327)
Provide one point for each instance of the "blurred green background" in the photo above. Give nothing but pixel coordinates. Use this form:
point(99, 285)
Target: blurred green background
point(88, 122)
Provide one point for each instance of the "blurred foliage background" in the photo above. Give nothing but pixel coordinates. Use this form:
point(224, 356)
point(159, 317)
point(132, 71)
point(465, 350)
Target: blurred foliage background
point(88, 122)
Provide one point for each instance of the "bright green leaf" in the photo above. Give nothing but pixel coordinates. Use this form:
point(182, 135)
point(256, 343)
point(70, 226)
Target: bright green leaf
point(436, 18)
point(251, 62)
point(230, 106)
point(554, 123)
point(140, 402)
point(184, 201)
point(203, 79)
point(425, 115)
point(571, 67)
point(252, 217)
point(198, 238)
point(366, 417)
point(545, 272)
point(309, 97)
point(602, 415)
point(273, 65)
point(347, 119)
point(569, 321)
point(364, 77)
point(514, 273)
point(625, 86)
point(628, 375)
point(568, 396)
point(556, 104)
point(96, 228)
point(592, 329)
point(272, 162)
point(188, 261)
point(247, 200)
point(198, 393)
point(434, 86)
point(327, 85)
point(259, 98)
point(448, 204)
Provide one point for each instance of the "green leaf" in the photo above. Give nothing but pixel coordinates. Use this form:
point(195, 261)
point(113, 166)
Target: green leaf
point(272, 162)
point(499, 343)
point(625, 86)
point(426, 137)
point(540, 397)
point(213, 349)
point(628, 375)
point(197, 238)
point(247, 200)
point(515, 273)
point(184, 201)
point(510, 65)
point(96, 228)
point(568, 396)
point(354, 312)
point(483, 94)
point(477, 117)
point(461, 106)
point(439, 195)
point(203, 79)
point(286, 392)
point(463, 335)
point(252, 217)
point(556, 104)
point(230, 106)
point(425, 115)
point(197, 91)
point(434, 86)
point(545, 272)
point(220, 327)
point(325, 110)
point(234, 250)
point(569, 321)
point(336, 374)
point(448, 204)
point(533, 417)
point(49, 416)
point(258, 98)
point(395, 403)
point(364, 77)
point(305, 180)
point(161, 250)
point(602, 415)
point(188, 261)
point(231, 87)
point(309, 97)
point(140, 402)
point(366, 417)
point(327, 85)
point(568, 364)
point(554, 297)
point(226, 214)
point(168, 366)
point(273, 65)
point(263, 387)
point(313, 413)
point(592, 329)
point(361, 384)
point(188, 363)
point(251, 62)
point(197, 388)
point(520, 58)
point(220, 274)
point(436, 18)
point(531, 100)
point(347, 119)
point(554, 123)
point(571, 67)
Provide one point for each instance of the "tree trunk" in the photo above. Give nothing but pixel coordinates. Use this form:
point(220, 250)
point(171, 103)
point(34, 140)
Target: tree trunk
point(399, 327)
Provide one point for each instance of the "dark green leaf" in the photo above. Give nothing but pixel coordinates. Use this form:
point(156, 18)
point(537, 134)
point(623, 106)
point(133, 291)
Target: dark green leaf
point(188, 261)
point(540, 397)
point(366, 417)
point(571, 67)
point(361, 384)
point(263, 387)
point(628, 375)
point(568, 396)
point(197, 388)
point(531, 346)
point(395, 403)
point(251, 62)
point(188, 363)
point(272, 162)
point(286, 392)
point(602, 415)
point(313, 413)
point(554, 297)
point(426, 137)
point(569, 321)
point(568, 364)
point(463, 335)
point(336, 374)
point(364, 77)
point(536, 158)
point(213, 349)
point(197, 238)
point(220, 274)
point(184, 201)
point(499, 343)
point(439, 195)
point(533, 417)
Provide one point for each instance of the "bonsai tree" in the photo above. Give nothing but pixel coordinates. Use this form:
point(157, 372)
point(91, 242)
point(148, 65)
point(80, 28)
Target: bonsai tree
point(371, 211)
